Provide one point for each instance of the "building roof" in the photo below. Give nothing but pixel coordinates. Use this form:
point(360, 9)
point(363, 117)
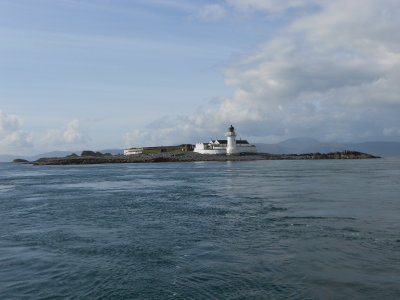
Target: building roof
point(242, 142)
point(220, 141)
point(238, 142)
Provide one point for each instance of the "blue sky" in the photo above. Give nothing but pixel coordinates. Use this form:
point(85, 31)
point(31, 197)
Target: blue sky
point(86, 74)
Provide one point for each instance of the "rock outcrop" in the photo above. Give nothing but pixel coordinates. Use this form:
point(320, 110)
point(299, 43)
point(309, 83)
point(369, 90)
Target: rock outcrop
point(20, 160)
point(191, 157)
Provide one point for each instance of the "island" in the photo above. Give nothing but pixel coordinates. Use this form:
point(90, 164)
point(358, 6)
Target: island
point(229, 149)
point(90, 157)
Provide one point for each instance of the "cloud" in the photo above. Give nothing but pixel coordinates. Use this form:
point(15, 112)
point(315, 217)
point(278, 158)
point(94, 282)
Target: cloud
point(393, 131)
point(171, 130)
point(215, 12)
point(12, 137)
point(69, 137)
point(329, 74)
point(212, 12)
point(175, 4)
point(268, 5)
point(14, 140)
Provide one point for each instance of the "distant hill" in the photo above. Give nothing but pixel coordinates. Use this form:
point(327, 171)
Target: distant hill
point(290, 146)
point(270, 148)
point(9, 158)
point(377, 147)
point(52, 154)
point(297, 144)
point(307, 145)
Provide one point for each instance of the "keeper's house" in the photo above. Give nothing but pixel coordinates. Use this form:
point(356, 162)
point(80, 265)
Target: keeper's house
point(228, 146)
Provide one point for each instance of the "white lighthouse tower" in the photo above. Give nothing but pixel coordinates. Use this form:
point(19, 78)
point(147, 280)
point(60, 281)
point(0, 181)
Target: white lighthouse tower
point(231, 141)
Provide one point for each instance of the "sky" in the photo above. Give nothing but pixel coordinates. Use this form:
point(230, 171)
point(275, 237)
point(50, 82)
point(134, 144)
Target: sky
point(102, 74)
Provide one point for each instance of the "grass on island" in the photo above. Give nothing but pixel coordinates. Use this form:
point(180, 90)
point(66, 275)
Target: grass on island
point(160, 150)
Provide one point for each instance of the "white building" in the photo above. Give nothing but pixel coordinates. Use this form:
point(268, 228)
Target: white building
point(132, 151)
point(228, 146)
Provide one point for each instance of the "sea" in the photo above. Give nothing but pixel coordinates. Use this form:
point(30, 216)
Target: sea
point(300, 229)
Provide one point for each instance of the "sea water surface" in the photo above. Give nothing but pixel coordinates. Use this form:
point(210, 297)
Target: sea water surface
point(327, 229)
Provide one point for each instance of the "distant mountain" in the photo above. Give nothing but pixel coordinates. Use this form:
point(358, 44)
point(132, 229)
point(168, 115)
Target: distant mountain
point(377, 147)
point(296, 144)
point(52, 154)
point(325, 148)
point(9, 158)
point(307, 145)
point(290, 146)
point(269, 148)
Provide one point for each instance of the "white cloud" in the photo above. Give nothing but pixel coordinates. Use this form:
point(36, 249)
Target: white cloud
point(14, 140)
point(268, 5)
point(212, 12)
point(393, 131)
point(12, 137)
point(333, 74)
point(67, 138)
point(328, 73)
point(175, 4)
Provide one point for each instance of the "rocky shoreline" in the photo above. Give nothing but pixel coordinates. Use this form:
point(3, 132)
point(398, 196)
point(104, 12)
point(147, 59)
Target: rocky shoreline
point(192, 157)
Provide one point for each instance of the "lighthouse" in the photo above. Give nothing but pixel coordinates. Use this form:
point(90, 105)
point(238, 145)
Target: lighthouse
point(231, 141)
point(229, 146)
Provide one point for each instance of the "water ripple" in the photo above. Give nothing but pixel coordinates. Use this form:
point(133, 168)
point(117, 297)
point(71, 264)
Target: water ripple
point(249, 230)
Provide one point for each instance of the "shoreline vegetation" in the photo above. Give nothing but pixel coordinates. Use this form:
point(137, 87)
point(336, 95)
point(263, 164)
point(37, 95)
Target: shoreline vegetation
point(90, 157)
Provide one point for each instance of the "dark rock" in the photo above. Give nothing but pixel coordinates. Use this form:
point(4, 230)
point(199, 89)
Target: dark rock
point(20, 160)
point(95, 158)
point(91, 153)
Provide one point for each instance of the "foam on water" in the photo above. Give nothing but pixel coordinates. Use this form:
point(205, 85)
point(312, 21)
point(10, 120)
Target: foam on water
point(4, 188)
